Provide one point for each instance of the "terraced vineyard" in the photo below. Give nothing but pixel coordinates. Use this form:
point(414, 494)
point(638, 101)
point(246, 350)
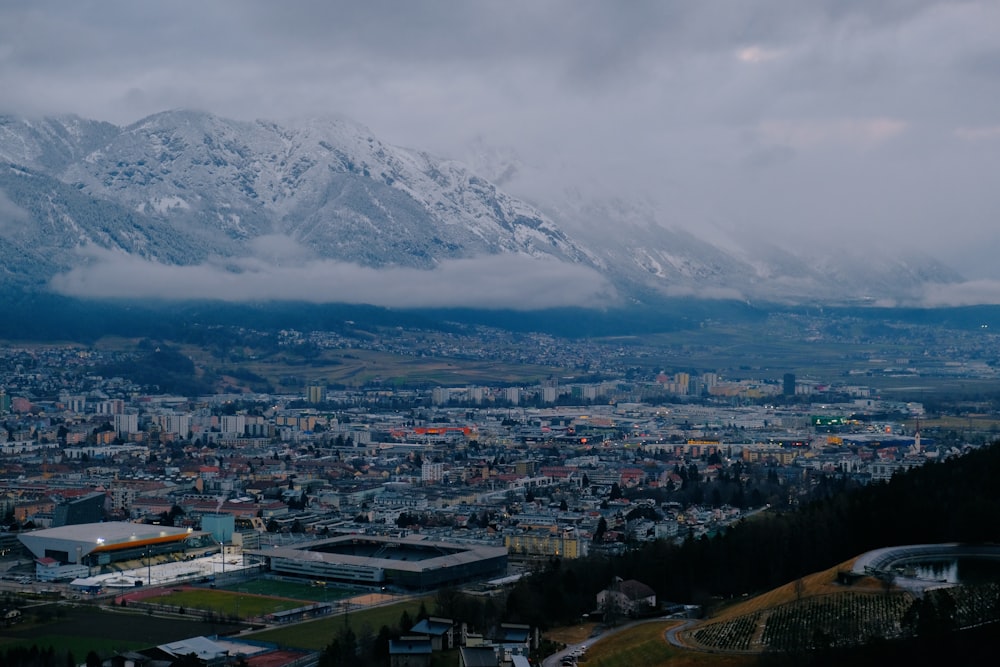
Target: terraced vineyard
point(844, 619)
point(733, 635)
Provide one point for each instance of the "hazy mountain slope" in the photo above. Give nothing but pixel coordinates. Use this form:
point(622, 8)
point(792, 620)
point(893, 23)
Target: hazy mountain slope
point(51, 144)
point(44, 222)
point(652, 248)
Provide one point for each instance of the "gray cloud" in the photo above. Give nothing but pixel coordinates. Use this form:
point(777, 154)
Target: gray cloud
point(970, 293)
point(499, 281)
point(820, 122)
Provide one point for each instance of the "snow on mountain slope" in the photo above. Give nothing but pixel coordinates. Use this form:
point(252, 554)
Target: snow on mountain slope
point(329, 185)
point(186, 188)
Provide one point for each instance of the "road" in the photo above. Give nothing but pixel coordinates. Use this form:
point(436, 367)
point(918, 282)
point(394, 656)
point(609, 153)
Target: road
point(554, 659)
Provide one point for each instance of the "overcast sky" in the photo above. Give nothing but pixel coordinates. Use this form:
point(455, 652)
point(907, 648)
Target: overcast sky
point(871, 120)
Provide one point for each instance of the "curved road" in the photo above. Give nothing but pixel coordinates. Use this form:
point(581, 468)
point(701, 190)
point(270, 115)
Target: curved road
point(671, 634)
point(554, 659)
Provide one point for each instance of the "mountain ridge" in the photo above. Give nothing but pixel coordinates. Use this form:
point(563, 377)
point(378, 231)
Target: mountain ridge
point(186, 189)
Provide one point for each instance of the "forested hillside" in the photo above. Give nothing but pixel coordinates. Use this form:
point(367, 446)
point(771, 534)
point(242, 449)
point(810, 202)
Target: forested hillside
point(956, 500)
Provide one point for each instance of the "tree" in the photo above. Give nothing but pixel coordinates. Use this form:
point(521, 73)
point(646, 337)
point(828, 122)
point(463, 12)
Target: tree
point(602, 527)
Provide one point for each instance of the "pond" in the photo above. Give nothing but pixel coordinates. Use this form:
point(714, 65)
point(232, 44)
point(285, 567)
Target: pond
point(966, 570)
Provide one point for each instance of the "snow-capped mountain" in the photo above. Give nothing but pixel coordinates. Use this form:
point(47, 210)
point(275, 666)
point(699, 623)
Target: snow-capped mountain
point(185, 188)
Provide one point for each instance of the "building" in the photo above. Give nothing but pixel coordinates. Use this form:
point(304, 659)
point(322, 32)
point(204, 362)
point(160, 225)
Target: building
point(547, 542)
point(315, 394)
point(378, 561)
point(96, 544)
point(431, 472)
point(410, 652)
point(126, 424)
point(441, 632)
point(477, 656)
point(234, 424)
point(626, 598)
point(788, 384)
point(85, 509)
point(221, 526)
point(441, 395)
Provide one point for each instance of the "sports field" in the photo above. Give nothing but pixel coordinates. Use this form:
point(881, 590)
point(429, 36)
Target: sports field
point(235, 604)
point(315, 635)
point(290, 589)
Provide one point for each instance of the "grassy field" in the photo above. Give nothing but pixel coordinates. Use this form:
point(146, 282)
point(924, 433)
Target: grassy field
point(818, 583)
point(356, 368)
point(83, 628)
point(78, 646)
point(645, 646)
point(289, 589)
point(573, 634)
point(316, 635)
point(227, 603)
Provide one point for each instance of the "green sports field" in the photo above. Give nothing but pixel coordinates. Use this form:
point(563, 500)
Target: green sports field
point(234, 604)
point(315, 635)
point(290, 589)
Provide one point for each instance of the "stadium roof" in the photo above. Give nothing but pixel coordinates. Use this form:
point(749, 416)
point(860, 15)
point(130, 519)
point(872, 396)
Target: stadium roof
point(449, 555)
point(87, 538)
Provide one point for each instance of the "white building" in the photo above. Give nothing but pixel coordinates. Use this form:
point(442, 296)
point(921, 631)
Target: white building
point(234, 424)
point(126, 424)
point(431, 472)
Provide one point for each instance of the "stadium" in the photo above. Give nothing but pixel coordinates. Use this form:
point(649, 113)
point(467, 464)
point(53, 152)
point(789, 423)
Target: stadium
point(97, 544)
point(407, 563)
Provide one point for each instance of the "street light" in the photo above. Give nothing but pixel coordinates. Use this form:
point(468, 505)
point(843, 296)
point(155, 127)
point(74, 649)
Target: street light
point(222, 551)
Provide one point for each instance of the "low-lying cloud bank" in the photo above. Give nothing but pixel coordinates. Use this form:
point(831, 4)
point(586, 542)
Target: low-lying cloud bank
point(498, 281)
point(969, 293)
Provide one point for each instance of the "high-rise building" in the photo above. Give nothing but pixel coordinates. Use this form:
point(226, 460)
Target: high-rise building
point(179, 424)
point(788, 386)
point(234, 424)
point(125, 424)
point(441, 395)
